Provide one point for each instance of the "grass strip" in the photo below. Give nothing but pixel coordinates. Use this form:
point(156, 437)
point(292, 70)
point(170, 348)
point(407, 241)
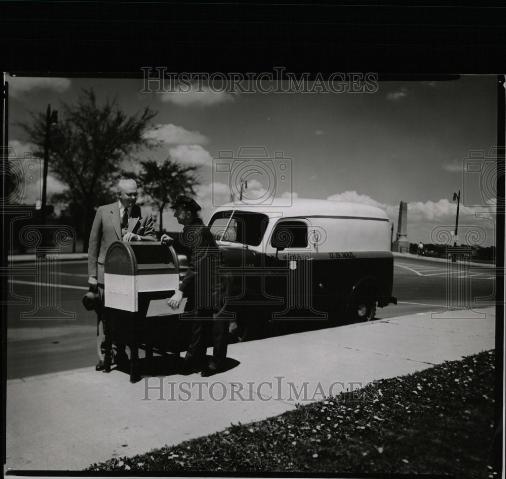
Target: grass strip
point(437, 421)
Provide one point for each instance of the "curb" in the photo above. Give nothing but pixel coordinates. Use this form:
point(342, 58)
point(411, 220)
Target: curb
point(22, 258)
point(441, 260)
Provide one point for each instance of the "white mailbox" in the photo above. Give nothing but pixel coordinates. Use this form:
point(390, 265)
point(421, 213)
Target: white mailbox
point(132, 270)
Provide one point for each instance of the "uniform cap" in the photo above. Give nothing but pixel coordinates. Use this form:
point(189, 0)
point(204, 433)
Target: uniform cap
point(186, 203)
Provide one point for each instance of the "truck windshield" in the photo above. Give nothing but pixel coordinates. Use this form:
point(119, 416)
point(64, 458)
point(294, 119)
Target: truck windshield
point(239, 226)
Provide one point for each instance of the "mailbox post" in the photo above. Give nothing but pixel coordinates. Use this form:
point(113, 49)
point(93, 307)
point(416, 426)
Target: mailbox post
point(138, 279)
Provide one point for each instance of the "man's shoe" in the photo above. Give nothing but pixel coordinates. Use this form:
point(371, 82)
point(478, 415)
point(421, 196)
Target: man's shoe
point(192, 364)
point(122, 359)
point(103, 366)
point(212, 368)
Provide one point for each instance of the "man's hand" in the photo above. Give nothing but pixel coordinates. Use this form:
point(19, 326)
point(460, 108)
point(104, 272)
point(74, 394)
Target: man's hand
point(131, 237)
point(166, 239)
point(93, 284)
point(176, 299)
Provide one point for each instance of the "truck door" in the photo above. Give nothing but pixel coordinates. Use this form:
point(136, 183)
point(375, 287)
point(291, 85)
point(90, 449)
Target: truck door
point(289, 254)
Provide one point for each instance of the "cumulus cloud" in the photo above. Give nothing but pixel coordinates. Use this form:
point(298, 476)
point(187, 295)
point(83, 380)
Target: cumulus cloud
point(319, 132)
point(191, 154)
point(293, 195)
point(194, 97)
point(21, 148)
point(397, 94)
point(424, 216)
point(170, 134)
point(21, 85)
point(443, 210)
point(454, 166)
point(31, 190)
point(354, 197)
point(207, 190)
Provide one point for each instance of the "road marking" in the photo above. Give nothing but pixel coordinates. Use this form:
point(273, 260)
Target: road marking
point(408, 268)
point(50, 285)
point(454, 273)
point(422, 304)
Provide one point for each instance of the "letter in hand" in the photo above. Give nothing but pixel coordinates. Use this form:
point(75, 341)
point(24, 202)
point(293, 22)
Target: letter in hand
point(175, 300)
point(166, 239)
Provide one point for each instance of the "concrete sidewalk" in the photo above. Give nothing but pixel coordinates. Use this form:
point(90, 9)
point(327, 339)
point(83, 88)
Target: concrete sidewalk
point(69, 420)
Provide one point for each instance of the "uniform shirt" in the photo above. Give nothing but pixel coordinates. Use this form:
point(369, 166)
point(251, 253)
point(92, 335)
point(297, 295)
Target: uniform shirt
point(197, 243)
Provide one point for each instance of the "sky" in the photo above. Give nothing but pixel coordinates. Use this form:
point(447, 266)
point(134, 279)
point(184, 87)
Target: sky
point(407, 141)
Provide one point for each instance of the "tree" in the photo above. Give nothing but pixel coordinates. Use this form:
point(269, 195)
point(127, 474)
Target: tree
point(87, 147)
point(163, 182)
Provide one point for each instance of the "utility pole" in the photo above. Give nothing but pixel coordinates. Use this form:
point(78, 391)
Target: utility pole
point(51, 120)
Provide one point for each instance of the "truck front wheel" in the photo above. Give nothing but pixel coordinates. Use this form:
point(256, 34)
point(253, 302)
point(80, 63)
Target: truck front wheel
point(362, 306)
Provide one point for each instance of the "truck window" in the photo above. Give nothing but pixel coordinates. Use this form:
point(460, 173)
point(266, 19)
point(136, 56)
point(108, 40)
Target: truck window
point(290, 234)
point(239, 226)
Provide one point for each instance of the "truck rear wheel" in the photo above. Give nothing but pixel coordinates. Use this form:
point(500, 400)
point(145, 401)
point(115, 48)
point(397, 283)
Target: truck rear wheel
point(250, 326)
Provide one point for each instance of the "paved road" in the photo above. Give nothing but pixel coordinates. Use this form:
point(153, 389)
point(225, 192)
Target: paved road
point(42, 344)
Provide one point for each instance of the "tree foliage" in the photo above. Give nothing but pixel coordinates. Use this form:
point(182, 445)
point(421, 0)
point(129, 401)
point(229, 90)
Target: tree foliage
point(163, 182)
point(87, 147)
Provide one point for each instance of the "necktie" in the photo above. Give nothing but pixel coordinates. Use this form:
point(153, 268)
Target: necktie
point(124, 219)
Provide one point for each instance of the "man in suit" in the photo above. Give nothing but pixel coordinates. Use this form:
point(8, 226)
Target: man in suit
point(117, 221)
point(203, 287)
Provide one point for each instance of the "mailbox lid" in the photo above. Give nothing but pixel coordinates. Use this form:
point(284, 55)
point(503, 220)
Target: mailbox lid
point(120, 259)
point(154, 258)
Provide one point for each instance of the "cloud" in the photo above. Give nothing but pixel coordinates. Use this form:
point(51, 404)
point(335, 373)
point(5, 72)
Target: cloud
point(212, 195)
point(443, 210)
point(398, 94)
point(293, 195)
point(191, 154)
point(319, 132)
point(194, 97)
point(425, 216)
point(21, 148)
point(171, 134)
point(354, 197)
point(454, 166)
point(21, 85)
point(32, 190)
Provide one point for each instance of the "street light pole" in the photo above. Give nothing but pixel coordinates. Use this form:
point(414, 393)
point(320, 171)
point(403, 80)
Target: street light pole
point(456, 197)
point(244, 185)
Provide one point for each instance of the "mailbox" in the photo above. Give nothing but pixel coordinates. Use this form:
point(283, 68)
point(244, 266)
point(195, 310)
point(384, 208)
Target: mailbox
point(139, 277)
point(134, 270)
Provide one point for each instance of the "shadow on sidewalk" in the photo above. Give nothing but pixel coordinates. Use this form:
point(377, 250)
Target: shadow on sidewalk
point(168, 365)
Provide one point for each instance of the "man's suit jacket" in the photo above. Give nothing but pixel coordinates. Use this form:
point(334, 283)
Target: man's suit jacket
point(107, 228)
